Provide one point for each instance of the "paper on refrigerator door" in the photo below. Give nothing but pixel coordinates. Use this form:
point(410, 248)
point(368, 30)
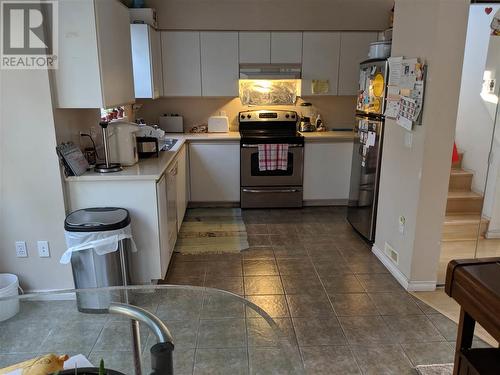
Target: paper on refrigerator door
point(362, 80)
point(395, 70)
point(370, 141)
point(409, 73)
point(406, 113)
point(392, 102)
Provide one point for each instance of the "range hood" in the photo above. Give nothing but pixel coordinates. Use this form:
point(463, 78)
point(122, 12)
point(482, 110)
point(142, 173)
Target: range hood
point(270, 71)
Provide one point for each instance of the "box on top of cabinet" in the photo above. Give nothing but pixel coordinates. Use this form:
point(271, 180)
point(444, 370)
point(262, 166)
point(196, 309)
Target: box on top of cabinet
point(144, 15)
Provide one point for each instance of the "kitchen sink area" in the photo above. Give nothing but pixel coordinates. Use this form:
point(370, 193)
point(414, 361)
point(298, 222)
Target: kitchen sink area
point(168, 144)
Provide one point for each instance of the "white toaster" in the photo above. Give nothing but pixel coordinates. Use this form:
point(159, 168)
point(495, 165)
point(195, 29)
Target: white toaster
point(218, 124)
point(172, 124)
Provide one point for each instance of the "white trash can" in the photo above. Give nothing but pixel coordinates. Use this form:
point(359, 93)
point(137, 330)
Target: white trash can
point(9, 286)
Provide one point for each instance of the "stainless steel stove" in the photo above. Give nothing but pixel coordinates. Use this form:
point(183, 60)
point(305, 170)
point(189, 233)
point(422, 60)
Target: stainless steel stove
point(274, 188)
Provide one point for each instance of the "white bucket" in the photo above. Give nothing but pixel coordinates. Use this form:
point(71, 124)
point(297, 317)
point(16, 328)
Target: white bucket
point(9, 285)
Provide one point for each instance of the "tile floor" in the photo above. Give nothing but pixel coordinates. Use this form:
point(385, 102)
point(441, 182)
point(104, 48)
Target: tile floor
point(341, 308)
point(333, 300)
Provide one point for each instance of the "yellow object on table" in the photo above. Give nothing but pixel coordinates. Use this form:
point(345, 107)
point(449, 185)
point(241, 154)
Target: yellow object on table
point(44, 365)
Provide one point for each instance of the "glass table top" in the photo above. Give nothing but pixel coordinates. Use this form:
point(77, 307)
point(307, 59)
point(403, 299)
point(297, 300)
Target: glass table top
point(213, 331)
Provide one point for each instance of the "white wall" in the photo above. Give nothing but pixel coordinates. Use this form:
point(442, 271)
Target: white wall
point(31, 196)
point(336, 111)
point(272, 14)
point(476, 113)
point(414, 181)
point(70, 122)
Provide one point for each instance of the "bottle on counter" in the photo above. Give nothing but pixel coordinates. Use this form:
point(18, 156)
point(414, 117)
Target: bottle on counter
point(320, 127)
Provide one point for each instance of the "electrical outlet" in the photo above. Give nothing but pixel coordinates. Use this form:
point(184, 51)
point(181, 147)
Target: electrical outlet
point(21, 251)
point(43, 249)
point(402, 223)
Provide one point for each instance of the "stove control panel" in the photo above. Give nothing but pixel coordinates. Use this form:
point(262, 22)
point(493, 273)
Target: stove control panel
point(263, 116)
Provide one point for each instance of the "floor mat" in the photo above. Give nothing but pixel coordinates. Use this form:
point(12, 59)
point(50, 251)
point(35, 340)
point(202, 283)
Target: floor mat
point(444, 369)
point(212, 230)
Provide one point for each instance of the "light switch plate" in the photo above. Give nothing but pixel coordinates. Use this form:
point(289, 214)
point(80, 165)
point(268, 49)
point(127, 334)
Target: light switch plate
point(402, 223)
point(43, 249)
point(21, 251)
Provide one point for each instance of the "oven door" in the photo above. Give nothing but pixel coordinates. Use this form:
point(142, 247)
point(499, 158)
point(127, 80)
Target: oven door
point(252, 176)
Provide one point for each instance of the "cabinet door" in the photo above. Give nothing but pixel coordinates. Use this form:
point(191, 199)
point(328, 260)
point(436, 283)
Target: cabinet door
point(182, 185)
point(115, 52)
point(255, 47)
point(320, 60)
point(354, 48)
point(156, 62)
point(286, 47)
point(141, 60)
point(172, 207)
point(180, 52)
point(328, 181)
point(214, 172)
point(219, 63)
point(95, 58)
point(77, 78)
point(162, 206)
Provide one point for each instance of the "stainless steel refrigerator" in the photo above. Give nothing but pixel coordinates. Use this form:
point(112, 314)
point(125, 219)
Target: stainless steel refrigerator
point(367, 151)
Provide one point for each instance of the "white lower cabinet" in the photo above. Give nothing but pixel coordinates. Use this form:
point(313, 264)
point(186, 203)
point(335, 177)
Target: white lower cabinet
point(182, 185)
point(327, 172)
point(166, 191)
point(156, 209)
point(214, 171)
point(146, 202)
point(162, 207)
point(171, 223)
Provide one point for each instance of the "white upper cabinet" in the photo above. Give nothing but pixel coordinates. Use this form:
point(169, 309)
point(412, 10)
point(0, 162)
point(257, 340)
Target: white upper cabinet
point(181, 63)
point(219, 63)
point(95, 58)
point(320, 60)
point(255, 47)
point(146, 59)
point(286, 47)
point(353, 49)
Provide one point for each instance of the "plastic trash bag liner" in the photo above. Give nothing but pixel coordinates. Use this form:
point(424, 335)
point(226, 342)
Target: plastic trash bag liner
point(103, 242)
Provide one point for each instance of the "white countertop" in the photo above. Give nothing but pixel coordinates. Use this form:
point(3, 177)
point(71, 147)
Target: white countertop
point(193, 137)
point(145, 169)
point(153, 168)
point(329, 136)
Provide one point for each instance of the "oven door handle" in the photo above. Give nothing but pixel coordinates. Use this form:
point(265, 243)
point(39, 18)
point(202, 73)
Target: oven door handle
point(245, 190)
point(246, 145)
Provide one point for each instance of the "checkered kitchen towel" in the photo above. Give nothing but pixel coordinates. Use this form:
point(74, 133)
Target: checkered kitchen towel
point(273, 157)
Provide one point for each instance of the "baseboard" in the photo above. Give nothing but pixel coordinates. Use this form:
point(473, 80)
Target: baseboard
point(325, 202)
point(411, 286)
point(306, 203)
point(213, 204)
point(491, 234)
